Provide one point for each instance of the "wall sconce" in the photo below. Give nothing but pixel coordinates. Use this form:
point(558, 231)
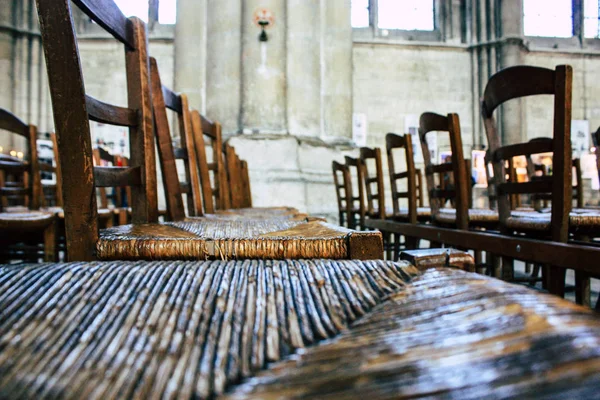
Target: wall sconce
point(263, 34)
point(13, 153)
point(264, 19)
point(1, 149)
point(20, 154)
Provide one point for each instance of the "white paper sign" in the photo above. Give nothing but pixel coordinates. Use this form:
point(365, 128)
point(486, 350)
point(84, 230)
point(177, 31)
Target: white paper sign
point(580, 137)
point(359, 129)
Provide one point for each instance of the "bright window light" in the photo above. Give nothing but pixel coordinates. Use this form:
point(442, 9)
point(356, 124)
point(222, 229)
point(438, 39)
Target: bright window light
point(406, 14)
point(167, 11)
point(139, 8)
point(360, 13)
point(551, 18)
point(591, 27)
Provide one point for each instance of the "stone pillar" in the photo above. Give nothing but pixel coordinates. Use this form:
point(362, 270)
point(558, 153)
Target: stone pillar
point(223, 63)
point(513, 113)
point(190, 51)
point(304, 67)
point(264, 70)
point(336, 60)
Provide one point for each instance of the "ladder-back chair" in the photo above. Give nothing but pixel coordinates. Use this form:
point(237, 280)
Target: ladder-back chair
point(373, 182)
point(413, 195)
point(518, 82)
point(164, 98)
point(356, 208)
point(460, 216)
point(246, 187)
point(341, 179)
point(23, 227)
point(213, 174)
point(74, 109)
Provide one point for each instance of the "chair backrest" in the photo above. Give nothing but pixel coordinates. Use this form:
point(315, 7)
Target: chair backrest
point(247, 188)
point(456, 169)
point(341, 179)
point(52, 192)
point(393, 141)
point(164, 99)
point(521, 81)
point(596, 141)
point(27, 170)
point(213, 175)
point(356, 200)
point(73, 109)
point(234, 175)
point(373, 179)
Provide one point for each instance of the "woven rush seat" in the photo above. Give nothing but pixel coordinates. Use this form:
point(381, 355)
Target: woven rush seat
point(26, 220)
point(579, 222)
point(476, 216)
point(423, 213)
point(172, 329)
point(450, 334)
point(200, 239)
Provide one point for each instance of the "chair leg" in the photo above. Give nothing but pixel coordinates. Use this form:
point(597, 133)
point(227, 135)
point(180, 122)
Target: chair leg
point(508, 269)
point(387, 245)
point(397, 237)
point(556, 280)
point(582, 289)
point(51, 243)
point(123, 216)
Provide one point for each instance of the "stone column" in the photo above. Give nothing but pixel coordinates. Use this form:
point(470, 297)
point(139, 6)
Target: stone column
point(223, 63)
point(264, 70)
point(513, 113)
point(190, 51)
point(336, 60)
point(304, 67)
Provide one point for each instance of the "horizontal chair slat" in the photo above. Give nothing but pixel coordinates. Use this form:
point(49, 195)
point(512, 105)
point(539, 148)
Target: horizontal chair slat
point(400, 175)
point(117, 176)
point(180, 154)
point(13, 167)
point(436, 169)
point(109, 16)
point(172, 100)
point(15, 191)
point(523, 149)
point(538, 186)
point(46, 167)
point(435, 193)
point(110, 114)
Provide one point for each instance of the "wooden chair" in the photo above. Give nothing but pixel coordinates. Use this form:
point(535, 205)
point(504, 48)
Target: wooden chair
point(523, 81)
point(247, 188)
point(414, 194)
point(356, 209)
point(341, 179)
point(164, 98)
point(73, 110)
point(212, 175)
point(23, 228)
point(234, 177)
point(373, 182)
point(460, 216)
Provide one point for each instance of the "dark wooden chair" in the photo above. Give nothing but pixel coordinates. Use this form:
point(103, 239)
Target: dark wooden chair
point(26, 232)
point(414, 193)
point(373, 182)
point(234, 177)
point(74, 109)
point(164, 99)
point(246, 187)
point(341, 179)
point(461, 216)
point(523, 81)
point(211, 163)
point(356, 207)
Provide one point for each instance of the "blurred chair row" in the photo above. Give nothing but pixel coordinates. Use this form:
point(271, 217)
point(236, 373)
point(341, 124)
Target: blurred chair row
point(547, 207)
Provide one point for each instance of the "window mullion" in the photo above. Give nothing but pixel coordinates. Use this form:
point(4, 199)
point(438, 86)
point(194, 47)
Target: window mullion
point(374, 16)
